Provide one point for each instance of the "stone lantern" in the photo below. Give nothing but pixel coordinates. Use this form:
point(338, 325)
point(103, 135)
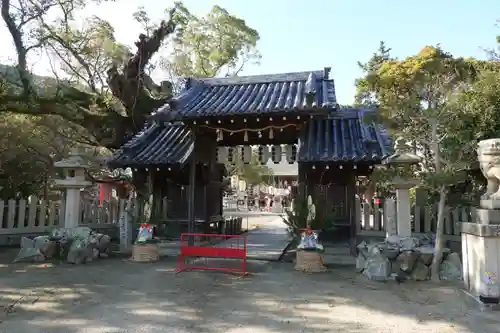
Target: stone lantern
point(402, 161)
point(73, 182)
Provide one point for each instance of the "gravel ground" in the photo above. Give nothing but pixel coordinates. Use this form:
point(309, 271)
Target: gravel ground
point(114, 295)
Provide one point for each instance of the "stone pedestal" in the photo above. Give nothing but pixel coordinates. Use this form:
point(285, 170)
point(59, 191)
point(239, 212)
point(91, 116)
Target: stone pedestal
point(72, 207)
point(403, 213)
point(481, 260)
point(481, 240)
point(391, 227)
point(487, 216)
point(125, 226)
point(490, 204)
point(403, 205)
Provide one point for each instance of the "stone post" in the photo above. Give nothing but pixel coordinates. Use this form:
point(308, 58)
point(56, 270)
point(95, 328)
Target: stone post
point(125, 225)
point(481, 238)
point(390, 217)
point(403, 211)
point(73, 181)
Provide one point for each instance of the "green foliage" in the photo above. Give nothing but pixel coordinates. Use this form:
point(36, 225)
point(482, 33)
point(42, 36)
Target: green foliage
point(364, 93)
point(477, 108)
point(254, 173)
point(437, 103)
point(297, 220)
point(216, 44)
point(28, 149)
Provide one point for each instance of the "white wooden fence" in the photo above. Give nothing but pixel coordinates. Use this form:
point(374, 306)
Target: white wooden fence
point(372, 222)
point(31, 216)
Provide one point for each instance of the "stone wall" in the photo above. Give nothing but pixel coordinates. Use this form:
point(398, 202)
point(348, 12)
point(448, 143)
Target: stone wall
point(405, 258)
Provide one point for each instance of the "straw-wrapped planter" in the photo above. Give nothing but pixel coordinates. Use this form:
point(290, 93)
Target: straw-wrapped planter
point(146, 247)
point(148, 252)
point(310, 261)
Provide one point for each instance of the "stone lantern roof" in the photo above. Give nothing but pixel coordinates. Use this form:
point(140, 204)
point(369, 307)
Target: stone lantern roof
point(74, 161)
point(402, 156)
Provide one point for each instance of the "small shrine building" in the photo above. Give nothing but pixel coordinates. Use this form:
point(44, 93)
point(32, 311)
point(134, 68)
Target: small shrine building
point(216, 120)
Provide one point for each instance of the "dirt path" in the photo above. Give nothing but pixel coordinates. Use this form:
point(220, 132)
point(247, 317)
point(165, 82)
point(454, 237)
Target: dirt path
point(117, 296)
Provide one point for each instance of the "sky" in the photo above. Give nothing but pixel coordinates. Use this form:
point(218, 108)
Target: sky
point(303, 35)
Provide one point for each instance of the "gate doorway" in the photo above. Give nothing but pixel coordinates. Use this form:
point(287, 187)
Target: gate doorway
point(334, 202)
point(332, 191)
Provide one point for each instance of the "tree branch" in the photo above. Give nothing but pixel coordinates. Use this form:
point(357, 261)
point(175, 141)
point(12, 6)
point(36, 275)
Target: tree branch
point(128, 86)
point(19, 45)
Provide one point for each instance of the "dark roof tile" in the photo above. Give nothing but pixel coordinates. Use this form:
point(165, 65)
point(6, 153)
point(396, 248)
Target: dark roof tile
point(156, 145)
point(257, 94)
point(344, 137)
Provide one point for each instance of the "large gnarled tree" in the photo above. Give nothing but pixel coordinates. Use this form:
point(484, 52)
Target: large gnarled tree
point(100, 92)
point(99, 84)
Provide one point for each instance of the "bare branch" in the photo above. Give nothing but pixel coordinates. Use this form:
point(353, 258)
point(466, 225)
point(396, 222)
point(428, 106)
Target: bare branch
point(17, 38)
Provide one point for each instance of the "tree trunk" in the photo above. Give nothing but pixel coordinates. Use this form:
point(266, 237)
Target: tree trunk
point(438, 251)
point(439, 246)
point(45, 186)
point(132, 86)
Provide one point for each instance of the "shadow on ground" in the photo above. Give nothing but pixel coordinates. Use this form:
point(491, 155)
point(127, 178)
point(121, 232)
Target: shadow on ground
point(115, 295)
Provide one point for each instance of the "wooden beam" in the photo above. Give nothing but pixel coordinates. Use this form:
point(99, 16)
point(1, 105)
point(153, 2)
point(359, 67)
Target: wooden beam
point(191, 191)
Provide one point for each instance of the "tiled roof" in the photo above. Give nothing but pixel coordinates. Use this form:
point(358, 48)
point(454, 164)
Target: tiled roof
point(156, 145)
point(258, 94)
point(345, 137)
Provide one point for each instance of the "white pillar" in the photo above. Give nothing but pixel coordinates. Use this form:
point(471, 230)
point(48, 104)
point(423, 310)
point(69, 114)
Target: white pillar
point(403, 213)
point(72, 208)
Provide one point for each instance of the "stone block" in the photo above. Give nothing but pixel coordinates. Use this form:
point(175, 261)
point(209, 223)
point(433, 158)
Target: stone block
point(489, 203)
point(420, 272)
point(451, 268)
point(480, 230)
point(407, 260)
point(488, 216)
point(426, 254)
point(377, 268)
point(360, 263)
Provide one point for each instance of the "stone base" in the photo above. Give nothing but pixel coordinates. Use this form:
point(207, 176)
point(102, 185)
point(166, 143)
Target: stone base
point(481, 260)
point(310, 262)
point(481, 303)
point(488, 216)
point(489, 203)
point(481, 230)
